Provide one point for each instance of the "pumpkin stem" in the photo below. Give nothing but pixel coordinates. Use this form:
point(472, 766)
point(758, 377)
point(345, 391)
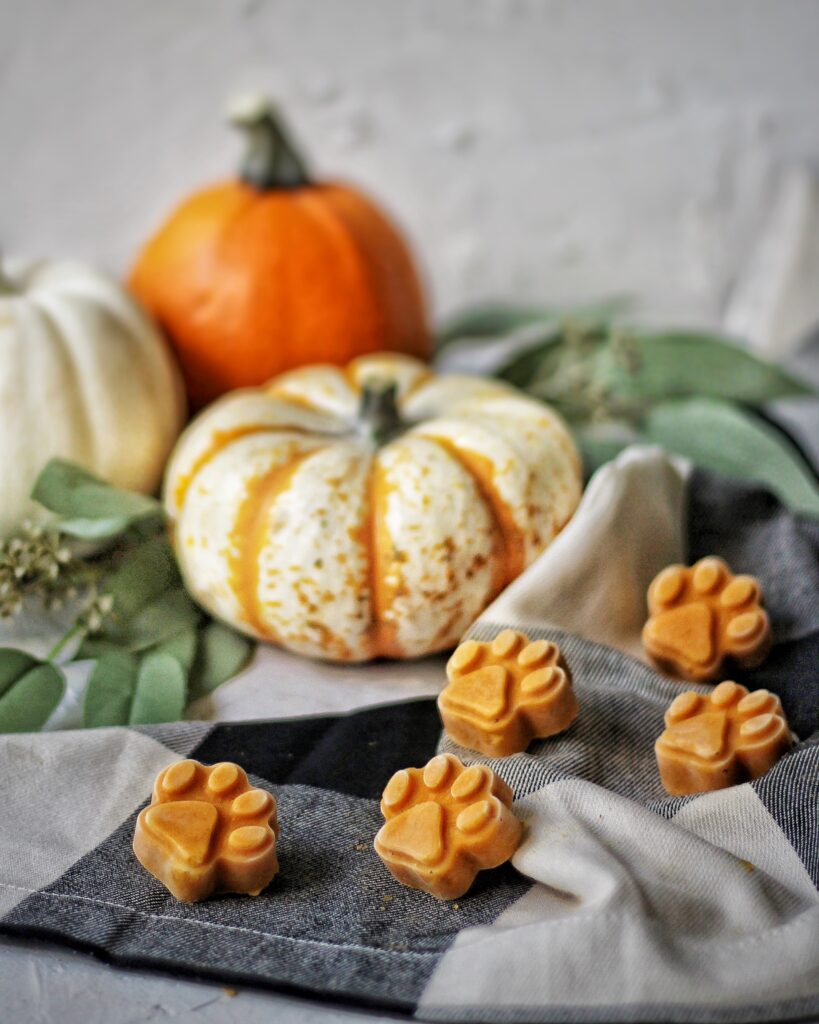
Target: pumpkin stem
point(270, 161)
point(378, 414)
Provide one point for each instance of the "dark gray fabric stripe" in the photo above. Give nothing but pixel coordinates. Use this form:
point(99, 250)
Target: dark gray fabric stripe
point(180, 737)
point(333, 922)
point(754, 533)
point(790, 792)
point(806, 1010)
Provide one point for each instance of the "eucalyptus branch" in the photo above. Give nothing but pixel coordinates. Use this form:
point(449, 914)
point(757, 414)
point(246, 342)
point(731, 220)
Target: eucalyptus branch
point(39, 564)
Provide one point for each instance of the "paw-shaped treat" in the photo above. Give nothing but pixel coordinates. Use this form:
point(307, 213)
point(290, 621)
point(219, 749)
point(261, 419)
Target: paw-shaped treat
point(445, 823)
point(712, 742)
point(503, 694)
point(208, 830)
point(699, 616)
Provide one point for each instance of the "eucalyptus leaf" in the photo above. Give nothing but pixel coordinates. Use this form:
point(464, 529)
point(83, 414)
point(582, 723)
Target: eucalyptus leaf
point(571, 370)
point(97, 647)
point(222, 654)
point(109, 692)
point(95, 529)
point(124, 689)
point(728, 439)
point(492, 320)
point(183, 647)
point(30, 690)
point(14, 664)
point(676, 364)
point(87, 506)
point(146, 572)
point(170, 614)
point(534, 361)
point(159, 695)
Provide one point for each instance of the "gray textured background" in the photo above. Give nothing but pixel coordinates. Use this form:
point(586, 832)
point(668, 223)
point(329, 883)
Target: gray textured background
point(532, 148)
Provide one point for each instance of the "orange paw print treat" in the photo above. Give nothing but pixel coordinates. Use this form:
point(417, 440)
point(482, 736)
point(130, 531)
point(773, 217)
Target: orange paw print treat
point(728, 737)
point(699, 616)
point(503, 694)
point(208, 830)
point(445, 823)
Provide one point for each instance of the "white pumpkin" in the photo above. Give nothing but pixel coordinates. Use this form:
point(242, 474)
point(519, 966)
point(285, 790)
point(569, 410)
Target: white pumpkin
point(372, 510)
point(84, 375)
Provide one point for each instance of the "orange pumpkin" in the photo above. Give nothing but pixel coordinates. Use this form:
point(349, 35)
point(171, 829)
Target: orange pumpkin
point(256, 276)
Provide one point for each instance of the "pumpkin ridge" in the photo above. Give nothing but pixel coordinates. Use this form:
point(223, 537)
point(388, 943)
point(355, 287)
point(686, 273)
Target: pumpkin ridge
point(509, 556)
point(327, 220)
point(384, 633)
point(219, 441)
point(249, 533)
point(61, 338)
point(419, 382)
point(390, 269)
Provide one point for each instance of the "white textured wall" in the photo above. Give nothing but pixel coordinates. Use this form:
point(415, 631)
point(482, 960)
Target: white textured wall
point(534, 149)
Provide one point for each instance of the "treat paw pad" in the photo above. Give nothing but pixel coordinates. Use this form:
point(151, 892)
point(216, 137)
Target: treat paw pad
point(503, 694)
point(208, 830)
point(728, 737)
point(699, 616)
point(445, 823)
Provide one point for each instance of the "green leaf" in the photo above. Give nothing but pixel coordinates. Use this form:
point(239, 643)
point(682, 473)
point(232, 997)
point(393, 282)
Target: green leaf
point(569, 369)
point(170, 614)
point(676, 364)
point(493, 320)
point(30, 690)
point(160, 690)
point(222, 654)
point(183, 647)
point(97, 647)
point(533, 362)
point(87, 506)
point(143, 575)
point(110, 690)
point(126, 690)
point(724, 437)
point(490, 321)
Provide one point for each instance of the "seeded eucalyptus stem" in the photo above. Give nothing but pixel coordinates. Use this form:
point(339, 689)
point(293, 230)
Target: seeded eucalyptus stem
point(76, 630)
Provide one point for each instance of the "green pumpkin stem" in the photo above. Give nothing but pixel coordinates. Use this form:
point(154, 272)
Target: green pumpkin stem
point(378, 415)
point(271, 161)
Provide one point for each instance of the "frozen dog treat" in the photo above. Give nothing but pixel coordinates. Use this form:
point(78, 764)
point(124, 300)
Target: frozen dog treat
point(502, 695)
point(719, 740)
point(445, 823)
point(208, 830)
point(701, 615)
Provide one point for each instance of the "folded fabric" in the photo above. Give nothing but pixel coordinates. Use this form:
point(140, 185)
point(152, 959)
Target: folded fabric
point(621, 904)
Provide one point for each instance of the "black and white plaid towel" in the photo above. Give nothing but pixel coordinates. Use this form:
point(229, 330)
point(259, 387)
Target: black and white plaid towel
point(621, 904)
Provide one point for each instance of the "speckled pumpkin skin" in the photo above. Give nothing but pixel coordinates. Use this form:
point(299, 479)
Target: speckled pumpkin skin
point(295, 527)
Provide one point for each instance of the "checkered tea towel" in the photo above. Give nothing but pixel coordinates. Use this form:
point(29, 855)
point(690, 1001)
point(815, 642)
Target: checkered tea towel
point(622, 903)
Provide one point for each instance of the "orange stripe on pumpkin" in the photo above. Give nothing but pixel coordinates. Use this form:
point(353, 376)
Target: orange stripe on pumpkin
point(220, 440)
point(250, 533)
point(373, 537)
point(509, 556)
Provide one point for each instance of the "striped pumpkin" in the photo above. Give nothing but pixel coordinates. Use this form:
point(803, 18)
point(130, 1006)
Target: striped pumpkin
point(372, 510)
